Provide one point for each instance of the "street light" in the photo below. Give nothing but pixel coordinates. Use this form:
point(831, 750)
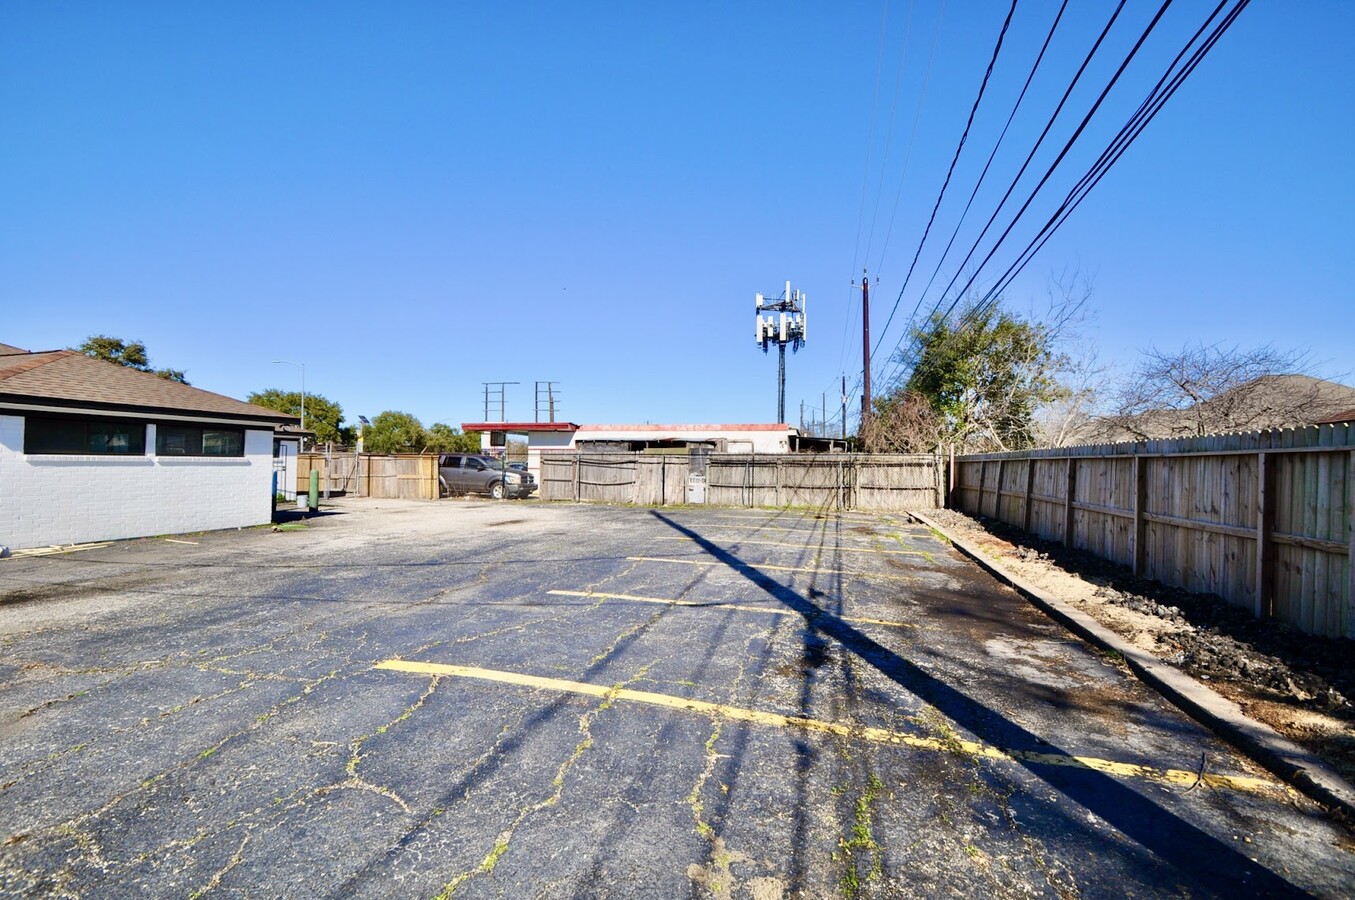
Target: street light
point(302, 367)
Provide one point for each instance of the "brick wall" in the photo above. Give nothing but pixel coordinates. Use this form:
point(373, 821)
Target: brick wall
point(55, 499)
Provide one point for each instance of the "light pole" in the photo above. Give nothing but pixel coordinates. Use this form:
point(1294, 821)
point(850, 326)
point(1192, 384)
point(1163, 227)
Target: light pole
point(302, 367)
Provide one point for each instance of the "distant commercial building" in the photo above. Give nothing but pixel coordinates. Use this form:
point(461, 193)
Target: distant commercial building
point(745, 438)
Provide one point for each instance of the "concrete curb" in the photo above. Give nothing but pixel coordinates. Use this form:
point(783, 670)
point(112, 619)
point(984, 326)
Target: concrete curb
point(1287, 760)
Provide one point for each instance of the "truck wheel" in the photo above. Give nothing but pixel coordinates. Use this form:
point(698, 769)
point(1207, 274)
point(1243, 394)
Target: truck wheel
point(496, 490)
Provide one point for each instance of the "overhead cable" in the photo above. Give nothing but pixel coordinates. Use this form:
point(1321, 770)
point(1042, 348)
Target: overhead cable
point(964, 136)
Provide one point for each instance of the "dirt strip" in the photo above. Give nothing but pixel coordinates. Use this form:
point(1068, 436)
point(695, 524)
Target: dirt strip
point(1287, 710)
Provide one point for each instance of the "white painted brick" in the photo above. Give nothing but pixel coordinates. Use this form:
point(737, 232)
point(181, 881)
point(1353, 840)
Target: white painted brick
point(63, 500)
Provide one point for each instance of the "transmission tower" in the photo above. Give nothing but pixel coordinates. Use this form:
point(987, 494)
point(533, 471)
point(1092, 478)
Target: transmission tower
point(783, 323)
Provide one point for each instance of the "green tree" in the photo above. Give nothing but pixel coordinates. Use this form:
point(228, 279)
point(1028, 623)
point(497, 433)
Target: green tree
point(985, 374)
point(394, 432)
point(443, 438)
point(323, 416)
point(133, 356)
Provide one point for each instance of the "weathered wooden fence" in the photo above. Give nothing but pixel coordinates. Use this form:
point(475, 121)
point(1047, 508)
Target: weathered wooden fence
point(832, 481)
point(401, 476)
point(1262, 519)
point(652, 480)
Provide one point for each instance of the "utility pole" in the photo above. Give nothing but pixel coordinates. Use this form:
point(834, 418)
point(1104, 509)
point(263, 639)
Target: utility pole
point(785, 324)
point(844, 407)
point(865, 350)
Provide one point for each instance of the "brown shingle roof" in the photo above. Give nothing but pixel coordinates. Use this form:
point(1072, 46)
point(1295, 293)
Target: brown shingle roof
point(68, 378)
point(1347, 416)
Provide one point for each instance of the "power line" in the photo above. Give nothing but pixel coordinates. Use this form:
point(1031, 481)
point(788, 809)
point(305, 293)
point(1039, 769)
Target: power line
point(1157, 97)
point(1077, 76)
point(1029, 78)
point(1058, 109)
point(1068, 145)
point(983, 86)
point(1151, 105)
point(889, 135)
point(870, 136)
point(912, 136)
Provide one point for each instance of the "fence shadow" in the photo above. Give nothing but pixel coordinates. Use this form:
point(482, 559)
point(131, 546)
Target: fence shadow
point(1196, 855)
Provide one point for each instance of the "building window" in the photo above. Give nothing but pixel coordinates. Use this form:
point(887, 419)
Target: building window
point(192, 440)
point(106, 437)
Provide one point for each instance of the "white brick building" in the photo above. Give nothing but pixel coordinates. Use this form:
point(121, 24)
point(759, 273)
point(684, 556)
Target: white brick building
point(93, 451)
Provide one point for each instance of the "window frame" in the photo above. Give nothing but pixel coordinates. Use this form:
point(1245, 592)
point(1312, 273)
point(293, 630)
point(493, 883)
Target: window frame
point(135, 429)
point(200, 431)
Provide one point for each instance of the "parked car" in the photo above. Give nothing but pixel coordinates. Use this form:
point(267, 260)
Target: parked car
point(462, 473)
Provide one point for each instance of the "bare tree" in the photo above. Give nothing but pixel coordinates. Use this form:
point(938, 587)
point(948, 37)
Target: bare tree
point(1212, 389)
point(901, 422)
point(1071, 418)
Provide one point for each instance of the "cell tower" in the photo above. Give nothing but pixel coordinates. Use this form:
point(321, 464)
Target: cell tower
point(783, 323)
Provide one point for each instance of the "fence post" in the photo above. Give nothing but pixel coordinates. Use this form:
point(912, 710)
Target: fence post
point(1070, 488)
point(983, 477)
point(1140, 523)
point(1350, 559)
point(953, 476)
point(997, 500)
point(577, 466)
point(1265, 520)
point(939, 478)
point(1030, 485)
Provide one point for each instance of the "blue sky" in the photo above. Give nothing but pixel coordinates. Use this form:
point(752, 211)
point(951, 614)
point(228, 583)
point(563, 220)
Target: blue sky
point(416, 198)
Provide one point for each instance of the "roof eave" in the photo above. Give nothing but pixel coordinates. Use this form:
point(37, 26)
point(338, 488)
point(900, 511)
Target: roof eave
point(266, 416)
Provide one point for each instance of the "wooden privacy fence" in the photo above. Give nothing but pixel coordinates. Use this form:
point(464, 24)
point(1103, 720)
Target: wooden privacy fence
point(650, 480)
point(832, 481)
point(400, 476)
point(1262, 519)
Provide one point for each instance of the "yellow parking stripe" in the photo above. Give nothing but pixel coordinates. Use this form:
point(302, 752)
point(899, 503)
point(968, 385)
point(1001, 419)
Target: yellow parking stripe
point(1174, 777)
point(810, 547)
point(708, 562)
point(770, 611)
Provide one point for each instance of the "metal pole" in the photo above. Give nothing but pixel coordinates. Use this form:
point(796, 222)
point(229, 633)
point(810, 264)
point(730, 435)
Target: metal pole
point(781, 387)
point(844, 407)
point(865, 350)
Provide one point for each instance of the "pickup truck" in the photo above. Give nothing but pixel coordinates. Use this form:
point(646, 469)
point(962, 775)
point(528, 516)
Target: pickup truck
point(467, 474)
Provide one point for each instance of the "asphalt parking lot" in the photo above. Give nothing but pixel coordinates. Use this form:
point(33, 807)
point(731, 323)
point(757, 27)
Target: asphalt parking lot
point(488, 699)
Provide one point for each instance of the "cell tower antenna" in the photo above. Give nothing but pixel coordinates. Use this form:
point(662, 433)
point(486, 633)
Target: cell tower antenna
point(781, 322)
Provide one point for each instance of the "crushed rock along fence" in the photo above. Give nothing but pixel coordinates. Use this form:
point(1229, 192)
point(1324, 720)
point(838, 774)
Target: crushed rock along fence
point(828, 481)
point(1262, 519)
